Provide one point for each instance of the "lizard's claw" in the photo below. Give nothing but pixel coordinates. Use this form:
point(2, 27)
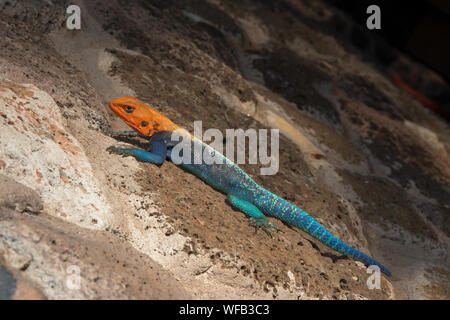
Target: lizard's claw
point(112, 149)
point(117, 150)
point(263, 224)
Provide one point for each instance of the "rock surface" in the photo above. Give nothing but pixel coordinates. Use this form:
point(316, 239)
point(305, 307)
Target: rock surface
point(76, 222)
point(51, 258)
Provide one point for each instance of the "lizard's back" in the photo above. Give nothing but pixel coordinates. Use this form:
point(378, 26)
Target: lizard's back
point(214, 168)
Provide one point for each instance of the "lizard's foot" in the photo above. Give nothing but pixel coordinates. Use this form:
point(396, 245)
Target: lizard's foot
point(263, 224)
point(117, 150)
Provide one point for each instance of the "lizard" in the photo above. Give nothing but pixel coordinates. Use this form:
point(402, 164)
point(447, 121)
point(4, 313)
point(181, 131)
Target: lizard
point(242, 191)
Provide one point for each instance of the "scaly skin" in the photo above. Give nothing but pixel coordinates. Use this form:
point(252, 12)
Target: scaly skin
point(243, 193)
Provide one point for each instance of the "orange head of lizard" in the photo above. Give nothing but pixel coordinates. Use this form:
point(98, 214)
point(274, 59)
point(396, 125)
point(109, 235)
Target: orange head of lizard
point(140, 116)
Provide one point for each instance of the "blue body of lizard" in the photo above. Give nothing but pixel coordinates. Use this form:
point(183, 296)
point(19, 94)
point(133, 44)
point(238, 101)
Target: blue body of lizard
point(242, 191)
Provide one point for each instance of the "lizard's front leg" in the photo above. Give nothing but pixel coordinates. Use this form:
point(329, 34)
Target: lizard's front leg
point(157, 149)
point(155, 158)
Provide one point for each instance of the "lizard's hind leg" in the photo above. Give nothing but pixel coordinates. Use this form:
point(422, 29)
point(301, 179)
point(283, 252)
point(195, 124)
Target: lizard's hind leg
point(257, 218)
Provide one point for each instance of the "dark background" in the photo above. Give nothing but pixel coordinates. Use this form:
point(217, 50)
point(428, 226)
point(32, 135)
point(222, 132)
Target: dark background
point(418, 28)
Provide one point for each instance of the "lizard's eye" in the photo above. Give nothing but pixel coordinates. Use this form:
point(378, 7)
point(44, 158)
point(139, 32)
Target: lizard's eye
point(144, 124)
point(128, 109)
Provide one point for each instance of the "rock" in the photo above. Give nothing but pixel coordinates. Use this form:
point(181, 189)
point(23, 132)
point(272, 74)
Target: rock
point(70, 262)
point(14, 259)
point(26, 291)
point(38, 152)
point(18, 197)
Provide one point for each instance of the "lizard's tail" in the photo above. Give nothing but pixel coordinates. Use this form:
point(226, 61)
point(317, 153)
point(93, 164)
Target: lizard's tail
point(287, 212)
